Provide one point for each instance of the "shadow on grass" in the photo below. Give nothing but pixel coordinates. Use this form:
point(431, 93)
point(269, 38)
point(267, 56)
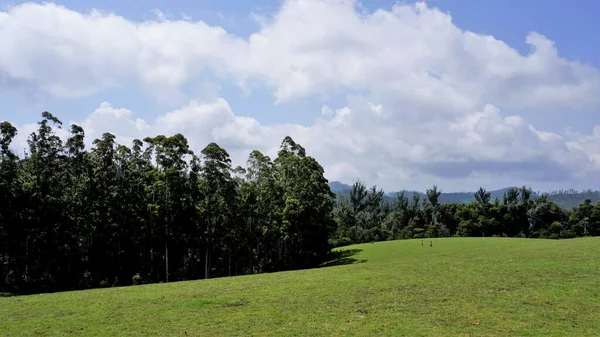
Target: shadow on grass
point(343, 257)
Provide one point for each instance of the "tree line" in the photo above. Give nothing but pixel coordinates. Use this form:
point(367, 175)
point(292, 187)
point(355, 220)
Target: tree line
point(153, 212)
point(365, 215)
point(567, 199)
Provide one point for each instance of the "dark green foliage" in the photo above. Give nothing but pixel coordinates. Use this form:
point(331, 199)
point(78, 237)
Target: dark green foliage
point(72, 218)
point(567, 199)
point(364, 215)
point(153, 212)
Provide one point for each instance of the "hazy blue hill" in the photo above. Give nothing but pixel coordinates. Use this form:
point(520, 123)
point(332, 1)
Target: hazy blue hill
point(570, 198)
point(564, 198)
point(466, 197)
point(337, 187)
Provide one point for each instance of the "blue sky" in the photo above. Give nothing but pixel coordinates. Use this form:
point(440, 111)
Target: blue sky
point(493, 112)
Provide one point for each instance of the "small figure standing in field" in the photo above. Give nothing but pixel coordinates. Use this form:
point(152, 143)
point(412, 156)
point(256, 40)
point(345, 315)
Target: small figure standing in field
point(430, 243)
point(421, 242)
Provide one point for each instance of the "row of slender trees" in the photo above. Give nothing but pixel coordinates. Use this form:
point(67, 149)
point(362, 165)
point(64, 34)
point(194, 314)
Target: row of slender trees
point(365, 215)
point(72, 218)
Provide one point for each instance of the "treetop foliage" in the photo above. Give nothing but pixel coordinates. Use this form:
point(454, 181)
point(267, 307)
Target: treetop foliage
point(365, 215)
point(72, 218)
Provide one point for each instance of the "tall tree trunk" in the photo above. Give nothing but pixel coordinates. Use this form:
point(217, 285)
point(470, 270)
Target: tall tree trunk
point(152, 261)
point(250, 259)
point(258, 258)
point(2, 272)
point(27, 260)
point(167, 233)
point(166, 260)
point(206, 263)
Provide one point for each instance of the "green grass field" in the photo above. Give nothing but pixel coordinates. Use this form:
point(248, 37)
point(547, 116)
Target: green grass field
point(459, 287)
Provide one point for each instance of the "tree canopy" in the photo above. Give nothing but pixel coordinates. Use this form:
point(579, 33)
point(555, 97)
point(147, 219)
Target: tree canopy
point(72, 218)
point(155, 211)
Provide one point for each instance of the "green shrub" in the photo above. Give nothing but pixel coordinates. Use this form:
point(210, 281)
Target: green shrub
point(567, 234)
point(555, 227)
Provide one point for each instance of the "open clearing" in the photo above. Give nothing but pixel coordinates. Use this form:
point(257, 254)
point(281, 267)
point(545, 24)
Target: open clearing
point(458, 287)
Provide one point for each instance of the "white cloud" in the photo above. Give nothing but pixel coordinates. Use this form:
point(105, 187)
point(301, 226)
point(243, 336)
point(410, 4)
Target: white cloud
point(343, 171)
point(482, 147)
point(326, 111)
point(71, 54)
point(415, 52)
point(307, 47)
point(427, 104)
point(160, 16)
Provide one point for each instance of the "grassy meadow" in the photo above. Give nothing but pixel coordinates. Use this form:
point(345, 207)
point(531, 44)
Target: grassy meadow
point(458, 287)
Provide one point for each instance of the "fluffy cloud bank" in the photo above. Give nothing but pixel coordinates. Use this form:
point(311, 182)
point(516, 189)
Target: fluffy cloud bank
point(428, 103)
point(354, 142)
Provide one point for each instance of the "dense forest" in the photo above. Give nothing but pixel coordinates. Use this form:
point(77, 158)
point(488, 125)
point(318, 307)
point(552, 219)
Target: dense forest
point(155, 211)
point(365, 215)
point(567, 199)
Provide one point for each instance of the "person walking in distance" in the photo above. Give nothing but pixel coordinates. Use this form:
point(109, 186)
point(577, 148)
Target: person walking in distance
point(430, 243)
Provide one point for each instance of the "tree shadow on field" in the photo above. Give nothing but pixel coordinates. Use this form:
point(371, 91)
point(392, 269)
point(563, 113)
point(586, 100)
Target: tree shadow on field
point(343, 257)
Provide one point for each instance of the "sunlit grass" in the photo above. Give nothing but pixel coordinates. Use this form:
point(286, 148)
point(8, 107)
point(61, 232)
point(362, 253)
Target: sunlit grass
point(458, 287)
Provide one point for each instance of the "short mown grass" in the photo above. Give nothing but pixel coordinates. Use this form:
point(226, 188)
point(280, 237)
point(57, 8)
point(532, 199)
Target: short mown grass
point(458, 287)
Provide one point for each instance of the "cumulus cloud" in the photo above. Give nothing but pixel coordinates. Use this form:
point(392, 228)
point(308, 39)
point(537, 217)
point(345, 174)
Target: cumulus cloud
point(475, 148)
point(72, 54)
point(430, 101)
point(307, 47)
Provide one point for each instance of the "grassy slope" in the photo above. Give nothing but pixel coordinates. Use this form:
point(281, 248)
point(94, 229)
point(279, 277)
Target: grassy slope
point(459, 287)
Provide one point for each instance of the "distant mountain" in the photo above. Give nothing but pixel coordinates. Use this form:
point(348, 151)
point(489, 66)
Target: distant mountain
point(570, 198)
point(567, 199)
point(467, 197)
point(337, 187)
